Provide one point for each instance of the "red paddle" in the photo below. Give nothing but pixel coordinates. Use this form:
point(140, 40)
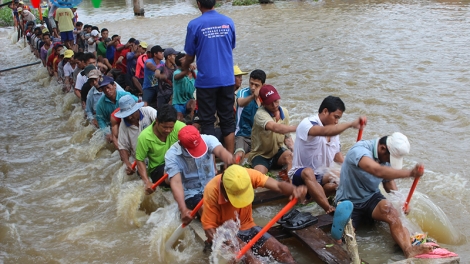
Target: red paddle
point(359, 134)
point(162, 179)
point(179, 231)
point(266, 228)
point(134, 164)
point(413, 187)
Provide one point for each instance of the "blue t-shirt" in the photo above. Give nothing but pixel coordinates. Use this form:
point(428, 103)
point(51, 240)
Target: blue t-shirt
point(357, 185)
point(110, 50)
point(131, 63)
point(245, 115)
point(211, 37)
point(149, 79)
point(195, 173)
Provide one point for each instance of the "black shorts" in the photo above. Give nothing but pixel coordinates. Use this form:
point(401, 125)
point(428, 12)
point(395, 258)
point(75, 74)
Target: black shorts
point(193, 201)
point(362, 212)
point(157, 173)
point(247, 235)
point(270, 164)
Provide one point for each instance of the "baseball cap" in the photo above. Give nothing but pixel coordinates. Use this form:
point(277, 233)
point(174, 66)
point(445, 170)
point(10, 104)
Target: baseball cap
point(88, 69)
point(19, 9)
point(268, 94)
point(94, 74)
point(105, 81)
point(95, 33)
point(398, 146)
point(44, 30)
point(191, 140)
point(237, 184)
point(144, 44)
point(127, 106)
point(237, 71)
point(170, 51)
point(68, 54)
point(62, 51)
point(156, 49)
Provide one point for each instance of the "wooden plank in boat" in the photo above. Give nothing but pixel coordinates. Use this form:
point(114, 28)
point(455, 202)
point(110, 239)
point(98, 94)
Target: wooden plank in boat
point(317, 240)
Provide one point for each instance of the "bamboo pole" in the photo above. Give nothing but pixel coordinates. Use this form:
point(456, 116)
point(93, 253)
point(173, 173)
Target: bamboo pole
point(351, 244)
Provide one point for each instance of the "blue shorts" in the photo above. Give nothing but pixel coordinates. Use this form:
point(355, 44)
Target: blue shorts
point(149, 94)
point(180, 108)
point(297, 178)
point(67, 35)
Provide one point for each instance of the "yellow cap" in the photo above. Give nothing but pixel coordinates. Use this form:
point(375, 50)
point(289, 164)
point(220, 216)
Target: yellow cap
point(237, 71)
point(68, 54)
point(237, 184)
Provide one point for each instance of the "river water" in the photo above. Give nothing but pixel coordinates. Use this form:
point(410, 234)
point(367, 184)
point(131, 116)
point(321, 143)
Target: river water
point(405, 64)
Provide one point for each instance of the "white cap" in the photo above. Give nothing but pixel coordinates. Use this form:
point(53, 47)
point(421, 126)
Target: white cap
point(95, 33)
point(398, 146)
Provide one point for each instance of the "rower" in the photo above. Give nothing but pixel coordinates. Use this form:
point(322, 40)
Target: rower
point(229, 196)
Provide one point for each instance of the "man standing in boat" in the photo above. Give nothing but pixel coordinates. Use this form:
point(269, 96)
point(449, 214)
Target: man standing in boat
point(271, 142)
point(316, 147)
point(211, 38)
point(190, 166)
point(229, 196)
point(367, 164)
point(153, 143)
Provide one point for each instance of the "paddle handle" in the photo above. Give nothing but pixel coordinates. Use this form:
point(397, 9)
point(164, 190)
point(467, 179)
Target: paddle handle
point(159, 181)
point(266, 228)
point(359, 134)
point(412, 190)
point(194, 212)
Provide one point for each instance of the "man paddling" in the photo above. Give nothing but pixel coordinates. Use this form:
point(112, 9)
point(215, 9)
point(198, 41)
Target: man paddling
point(316, 147)
point(367, 164)
point(152, 144)
point(229, 196)
point(136, 118)
point(190, 166)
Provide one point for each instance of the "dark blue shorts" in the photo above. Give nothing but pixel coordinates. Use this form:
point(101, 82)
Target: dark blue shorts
point(247, 235)
point(362, 212)
point(193, 201)
point(150, 94)
point(67, 35)
point(297, 178)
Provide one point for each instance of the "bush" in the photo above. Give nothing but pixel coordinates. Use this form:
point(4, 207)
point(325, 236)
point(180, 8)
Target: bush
point(6, 16)
point(244, 2)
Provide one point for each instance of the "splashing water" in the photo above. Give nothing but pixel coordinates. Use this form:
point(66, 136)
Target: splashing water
point(128, 204)
point(225, 244)
point(166, 220)
point(425, 216)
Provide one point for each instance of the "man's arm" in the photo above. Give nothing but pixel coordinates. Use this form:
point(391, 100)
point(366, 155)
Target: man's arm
point(187, 62)
point(279, 128)
point(289, 143)
point(143, 175)
point(244, 101)
point(339, 158)
point(223, 154)
point(385, 172)
point(333, 130)
point(178, 193)
point(150, 66)
point(287, 189)
point(124, 153)
point(390, 186)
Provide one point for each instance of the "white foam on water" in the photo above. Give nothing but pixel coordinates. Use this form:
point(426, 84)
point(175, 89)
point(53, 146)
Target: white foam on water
point(165, 220)
point(128, 202)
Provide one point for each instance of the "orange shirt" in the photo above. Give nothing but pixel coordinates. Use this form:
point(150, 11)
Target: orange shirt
point(217, 210)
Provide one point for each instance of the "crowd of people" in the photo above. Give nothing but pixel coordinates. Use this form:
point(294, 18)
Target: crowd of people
point(174, 113)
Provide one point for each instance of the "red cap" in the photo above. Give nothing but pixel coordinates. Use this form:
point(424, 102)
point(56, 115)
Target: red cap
point(191, 140)
point(268, 94)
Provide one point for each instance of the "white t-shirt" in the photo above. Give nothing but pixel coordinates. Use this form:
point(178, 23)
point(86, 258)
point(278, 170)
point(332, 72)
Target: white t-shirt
point(81, 80)
point(127, 138)
point(313, 152)
point(91, 47)
point(68, 70)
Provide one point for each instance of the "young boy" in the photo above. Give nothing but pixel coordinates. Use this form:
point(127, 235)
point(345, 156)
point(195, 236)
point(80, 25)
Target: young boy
point(77, 40)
